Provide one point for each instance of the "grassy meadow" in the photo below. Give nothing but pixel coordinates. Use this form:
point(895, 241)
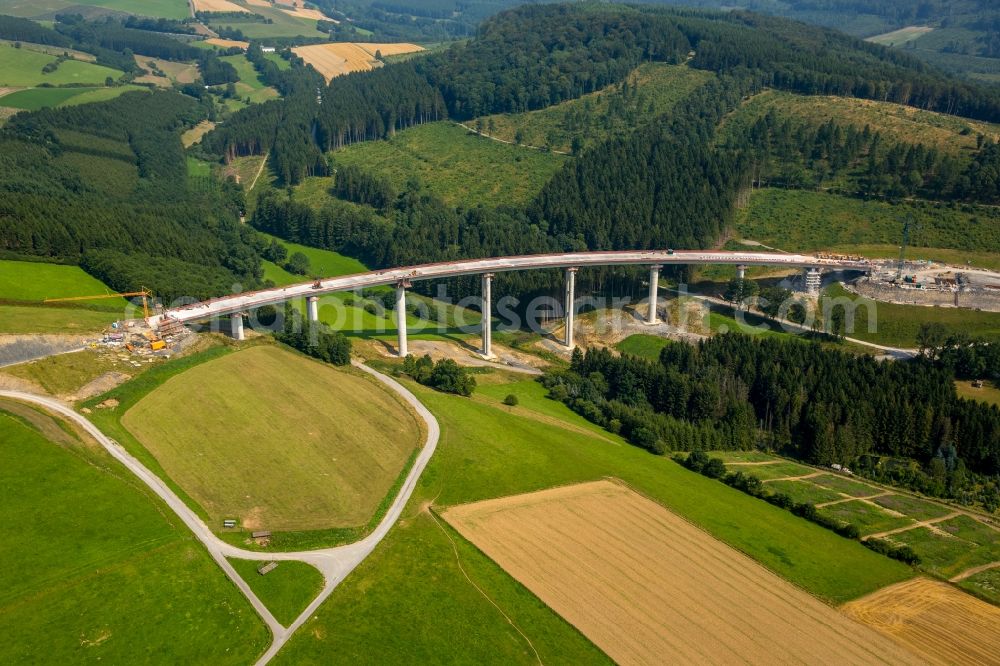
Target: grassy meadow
point(489, 450)
point(652, 90)
point(459, 167)
point(31, 99)
point(898, 325)
point(950, 134)
point(805, 221)
point(286, 591)
point(23, 68)
point(646, 346)
point(340, 456)
point(97, 569)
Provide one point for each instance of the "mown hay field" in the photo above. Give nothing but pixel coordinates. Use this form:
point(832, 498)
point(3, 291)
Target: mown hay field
point(647, 587)
point(339, 58)
point(218, 6)
point(939, 622)
point(276, 440)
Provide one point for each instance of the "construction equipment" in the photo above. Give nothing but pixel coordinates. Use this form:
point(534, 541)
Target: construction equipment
point(145, 293)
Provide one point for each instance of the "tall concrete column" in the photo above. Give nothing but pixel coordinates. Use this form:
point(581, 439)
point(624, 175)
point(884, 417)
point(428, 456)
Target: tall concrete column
point(570, 305)
point(654, 293)
point(401, 318)
point(487, 305)
point(812, 280)
point(312, 306)
point(741, 272)
point(236, 326)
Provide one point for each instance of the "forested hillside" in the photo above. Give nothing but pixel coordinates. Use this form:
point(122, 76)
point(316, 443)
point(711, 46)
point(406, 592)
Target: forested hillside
point(106, 185)
point(733, 392)
point(668, 181)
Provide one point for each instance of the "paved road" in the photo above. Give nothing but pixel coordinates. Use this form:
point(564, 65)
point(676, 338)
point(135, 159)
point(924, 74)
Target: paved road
point(334, 563)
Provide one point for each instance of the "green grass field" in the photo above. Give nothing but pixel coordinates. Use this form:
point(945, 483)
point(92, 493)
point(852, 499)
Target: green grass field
point(36, 98)
point(988, 393)
point(913, 507)
point(323, 263)
point(985, 584)
point(21, 68)
point(338, 439)
point(489, 450)
point(460, 168)
point(282, 25)
point(97, 569)
point(801, 491)
point(804, 221)
point(901, 36)
point(16, 319)
point(655, 89)
point(175, 9)
point(867, 518)
point(966, 544)
point(250, 86)
point(286, 591)
point(842, 484)
point(646, 346)
point(899, 123)
point(898, 325)
point(31, 281)
point(778, 470)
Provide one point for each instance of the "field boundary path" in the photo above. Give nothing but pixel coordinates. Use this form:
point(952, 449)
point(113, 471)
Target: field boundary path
point(511, 143)
point(334, 563)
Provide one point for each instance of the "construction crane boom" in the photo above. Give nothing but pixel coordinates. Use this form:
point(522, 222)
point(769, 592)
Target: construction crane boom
point(145, 293)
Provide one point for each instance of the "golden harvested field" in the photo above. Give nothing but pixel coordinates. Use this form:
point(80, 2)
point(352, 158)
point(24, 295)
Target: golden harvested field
point(389, 49)
point(218, 6)
point(901, 36)
point(194, 135)
point(937, 621)
point(228, 43)
point(277, 440)
point(647, 587)
point(339, 58)
point(313, 14)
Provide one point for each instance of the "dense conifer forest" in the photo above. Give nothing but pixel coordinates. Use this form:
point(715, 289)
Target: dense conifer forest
point(735, 392)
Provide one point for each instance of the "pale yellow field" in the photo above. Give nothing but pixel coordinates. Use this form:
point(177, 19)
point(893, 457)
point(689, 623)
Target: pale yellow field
point(218, 6)
point(901, 36)
point(339, 58)
point(176, 71)
point(939, 622)
point(194, 135)
point(300, 12)
point(228, 43)
point(258, 3)
point(647, 587)
point(277, 440)
point(389, 49)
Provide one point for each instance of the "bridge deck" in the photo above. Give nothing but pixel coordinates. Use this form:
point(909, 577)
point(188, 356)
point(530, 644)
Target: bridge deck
point(227, 305)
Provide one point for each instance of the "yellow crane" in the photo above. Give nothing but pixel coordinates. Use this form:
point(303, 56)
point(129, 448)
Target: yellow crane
point(145, 293)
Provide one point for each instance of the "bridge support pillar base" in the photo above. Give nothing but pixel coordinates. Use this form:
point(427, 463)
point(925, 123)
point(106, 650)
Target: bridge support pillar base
point(312, 307)
point(236, 326)
point(654, 294)
point(401, 347)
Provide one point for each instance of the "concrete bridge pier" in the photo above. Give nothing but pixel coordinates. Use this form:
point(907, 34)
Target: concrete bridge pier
point(812, 279)
point(654, 292)
point(487, 321)
point(741, 272)
point(312, 307)
point(570, 305)
point(236, 326)
point(401, 317)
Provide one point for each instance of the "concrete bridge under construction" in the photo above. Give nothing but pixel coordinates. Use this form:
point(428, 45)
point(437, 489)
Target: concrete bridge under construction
point(236, 305)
